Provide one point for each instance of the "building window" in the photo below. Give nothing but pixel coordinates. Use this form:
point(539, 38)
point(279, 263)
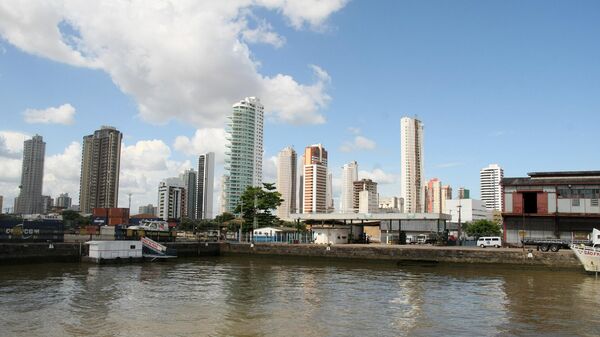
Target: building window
point(575, 202)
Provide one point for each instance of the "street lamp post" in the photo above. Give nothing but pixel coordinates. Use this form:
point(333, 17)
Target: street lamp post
point(459, 225)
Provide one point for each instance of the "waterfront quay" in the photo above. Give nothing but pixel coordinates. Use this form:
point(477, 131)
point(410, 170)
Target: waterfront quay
point(13, 253)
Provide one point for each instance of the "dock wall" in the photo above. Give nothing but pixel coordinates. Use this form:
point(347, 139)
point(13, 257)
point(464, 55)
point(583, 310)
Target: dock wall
point(16, 253)
point(564, 259)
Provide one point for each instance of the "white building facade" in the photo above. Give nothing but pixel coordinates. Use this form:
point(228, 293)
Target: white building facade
point(244, 155)
point(470, 210)
point(491, 190)
point(411, 164)
point(171, 199)
point(349, 176)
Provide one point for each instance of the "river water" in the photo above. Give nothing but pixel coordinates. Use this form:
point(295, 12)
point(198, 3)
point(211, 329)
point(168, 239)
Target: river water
point(267, 296)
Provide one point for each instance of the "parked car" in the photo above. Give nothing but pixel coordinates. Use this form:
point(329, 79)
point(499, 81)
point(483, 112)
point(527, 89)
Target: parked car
point(489, 241)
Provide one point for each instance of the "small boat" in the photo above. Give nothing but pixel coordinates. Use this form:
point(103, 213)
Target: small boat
point(589, 256)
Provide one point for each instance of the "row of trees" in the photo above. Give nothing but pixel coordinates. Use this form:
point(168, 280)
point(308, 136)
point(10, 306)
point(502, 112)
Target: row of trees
point(256, 206)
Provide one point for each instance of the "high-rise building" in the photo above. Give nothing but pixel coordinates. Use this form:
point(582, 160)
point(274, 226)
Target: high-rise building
point(206, 182)
point(63, 201)
point(491, 190)
point(411, 164)
point(349, 176)
point(446, 195)
point(189, 179)
point(47, 204)
point(364, 196)
point(148, 209)
point(463, 193)
point(171, 199)
point(32, 177)
point(1, 204)
point(315, 179)
point(329, 193)
point(243, 163)
point(301, 186)
point(100, 166)
point(286, 181)
point(433, 196)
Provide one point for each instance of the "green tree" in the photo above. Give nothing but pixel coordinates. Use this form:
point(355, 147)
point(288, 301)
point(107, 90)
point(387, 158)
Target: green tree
point(483, 227)
point(224, 218)
point(187, 224)
point(259, 202)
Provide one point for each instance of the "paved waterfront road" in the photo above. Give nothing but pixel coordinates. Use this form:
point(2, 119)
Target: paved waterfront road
point(267, 296)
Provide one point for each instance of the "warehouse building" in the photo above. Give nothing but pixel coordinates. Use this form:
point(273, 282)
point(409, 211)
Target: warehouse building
point(562, 205)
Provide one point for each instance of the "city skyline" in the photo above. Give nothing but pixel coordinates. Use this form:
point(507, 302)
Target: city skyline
point(504, 83)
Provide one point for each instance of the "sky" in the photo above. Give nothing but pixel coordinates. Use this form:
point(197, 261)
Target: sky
point(510, 82)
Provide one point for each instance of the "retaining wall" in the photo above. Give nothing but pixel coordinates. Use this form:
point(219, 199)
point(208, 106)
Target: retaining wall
point(564, 259)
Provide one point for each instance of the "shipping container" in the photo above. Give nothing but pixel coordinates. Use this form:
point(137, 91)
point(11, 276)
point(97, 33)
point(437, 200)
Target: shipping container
point(32, 231)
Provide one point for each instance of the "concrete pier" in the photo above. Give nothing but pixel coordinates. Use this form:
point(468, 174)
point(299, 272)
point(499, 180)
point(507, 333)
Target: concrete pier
point(16, 253)
point(565, 259)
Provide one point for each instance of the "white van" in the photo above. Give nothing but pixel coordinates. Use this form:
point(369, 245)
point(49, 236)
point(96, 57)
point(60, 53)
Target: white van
point(489, 241)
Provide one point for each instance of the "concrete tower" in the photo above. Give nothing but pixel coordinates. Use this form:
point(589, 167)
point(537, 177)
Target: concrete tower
point(100, 165)
point(32, 177)
point(286, 182)
point(315, 179)
point(411, 164)
point(206, 182)
point(189, 180)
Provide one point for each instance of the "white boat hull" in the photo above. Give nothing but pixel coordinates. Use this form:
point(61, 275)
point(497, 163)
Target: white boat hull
point(588, 256)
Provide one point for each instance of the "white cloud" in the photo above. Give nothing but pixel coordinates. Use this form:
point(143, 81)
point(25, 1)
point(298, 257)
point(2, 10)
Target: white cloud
point(147, 155)
point(185, 59)
point(450, 164)
point(11, 144)
point(203, 141)
point(354, 130)
point(62, 171)
point(143, 165)
point(379, 176)
point(359, 143)
point(60, 115)
point(263, 33)
point(270, 170)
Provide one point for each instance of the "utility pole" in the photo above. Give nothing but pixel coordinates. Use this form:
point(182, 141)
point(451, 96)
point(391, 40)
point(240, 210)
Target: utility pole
point(459, 225)
point(255, 221)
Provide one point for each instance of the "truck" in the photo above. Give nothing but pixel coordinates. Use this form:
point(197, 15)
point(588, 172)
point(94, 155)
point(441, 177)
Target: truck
point(553, 245)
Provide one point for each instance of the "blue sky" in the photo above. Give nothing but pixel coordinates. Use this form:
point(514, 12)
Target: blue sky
point(510, 82)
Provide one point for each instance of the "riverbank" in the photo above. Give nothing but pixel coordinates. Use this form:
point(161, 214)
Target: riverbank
point(17, 253)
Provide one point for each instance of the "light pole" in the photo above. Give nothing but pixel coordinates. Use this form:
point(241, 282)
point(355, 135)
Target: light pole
point(459, 225)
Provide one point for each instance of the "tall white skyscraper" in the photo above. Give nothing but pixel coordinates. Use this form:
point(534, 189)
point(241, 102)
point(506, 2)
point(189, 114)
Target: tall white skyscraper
point(244, 157)
point(491, 190)
point(32, 177)
point(286, 182)
point(411, 164)
point(349, 176)
point(206, 181)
